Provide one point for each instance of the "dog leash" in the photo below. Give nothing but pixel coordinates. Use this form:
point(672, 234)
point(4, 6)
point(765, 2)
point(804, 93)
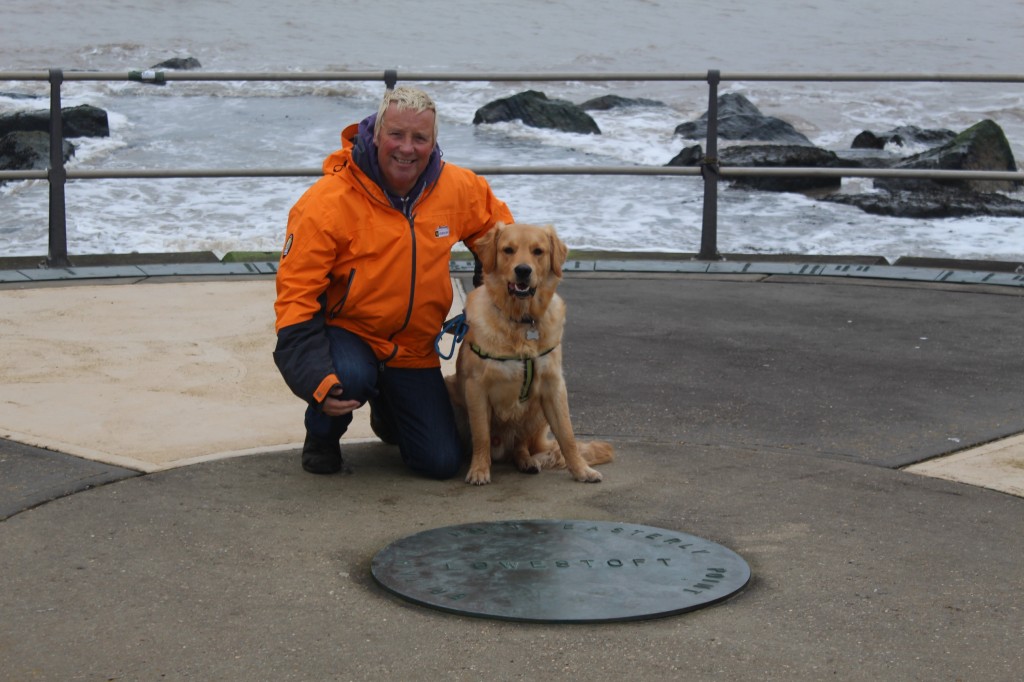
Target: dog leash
point(457, 327)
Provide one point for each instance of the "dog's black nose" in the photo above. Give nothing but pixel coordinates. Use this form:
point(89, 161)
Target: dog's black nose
point(523, 272)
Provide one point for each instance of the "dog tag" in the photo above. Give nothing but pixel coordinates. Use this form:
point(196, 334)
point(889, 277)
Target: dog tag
point(532, 334)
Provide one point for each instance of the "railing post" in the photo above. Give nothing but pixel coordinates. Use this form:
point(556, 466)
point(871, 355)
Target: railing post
point(709, 171)
point(57, 176)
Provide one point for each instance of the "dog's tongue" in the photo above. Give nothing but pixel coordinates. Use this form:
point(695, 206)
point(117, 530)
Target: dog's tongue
point(519, 289)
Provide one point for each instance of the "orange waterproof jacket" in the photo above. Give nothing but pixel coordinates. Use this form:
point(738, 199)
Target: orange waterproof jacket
point(354, 261)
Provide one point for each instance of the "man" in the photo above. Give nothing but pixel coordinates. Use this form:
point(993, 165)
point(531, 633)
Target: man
point(363, 286)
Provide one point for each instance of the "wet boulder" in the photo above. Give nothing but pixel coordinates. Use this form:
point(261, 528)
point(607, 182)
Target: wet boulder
point(982, 147)
point(688, 156)
point(933, 204)
point(740, 119)
point(28, 150)
point(781, 156)
point(606, 102)
point(534, 109)
point(81, 121)
point(179, 64)
point(771, 156)
point(902, 136)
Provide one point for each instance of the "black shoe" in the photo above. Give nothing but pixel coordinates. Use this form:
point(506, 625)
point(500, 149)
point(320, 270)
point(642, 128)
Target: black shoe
point(321, 457)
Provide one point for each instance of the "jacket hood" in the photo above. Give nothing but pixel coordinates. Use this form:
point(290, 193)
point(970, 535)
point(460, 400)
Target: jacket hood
point(357, 143)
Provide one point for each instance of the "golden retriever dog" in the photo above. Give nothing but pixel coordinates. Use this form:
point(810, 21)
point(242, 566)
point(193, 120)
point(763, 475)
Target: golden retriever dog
point(508, 386)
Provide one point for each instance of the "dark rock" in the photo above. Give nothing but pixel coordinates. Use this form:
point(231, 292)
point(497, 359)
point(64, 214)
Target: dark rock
point(771, 156)
point(81, 121)
point(606, 102)
point(932, 204)
point(28, 150)
point(982, 147)
point(535, 109)
point(688, 156)
point(902, 136)
point(179, 63)
point(867, 140)
point(781, 156)
point(739, 119)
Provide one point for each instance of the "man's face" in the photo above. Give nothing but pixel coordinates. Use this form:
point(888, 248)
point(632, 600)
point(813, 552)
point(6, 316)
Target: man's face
point(404, 146)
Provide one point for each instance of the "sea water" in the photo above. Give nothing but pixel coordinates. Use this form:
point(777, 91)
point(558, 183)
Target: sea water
point(294, 124)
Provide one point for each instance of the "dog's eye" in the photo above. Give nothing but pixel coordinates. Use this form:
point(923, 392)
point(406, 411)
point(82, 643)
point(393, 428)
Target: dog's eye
point(538, 252)
point(509, 250)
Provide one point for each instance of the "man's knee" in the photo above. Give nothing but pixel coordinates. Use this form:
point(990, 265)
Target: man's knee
point(358, 382)
point(355, 365)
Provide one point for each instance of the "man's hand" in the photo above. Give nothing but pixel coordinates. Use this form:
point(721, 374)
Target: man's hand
point(335, 405)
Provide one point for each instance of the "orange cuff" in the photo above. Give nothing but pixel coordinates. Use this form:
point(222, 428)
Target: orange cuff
point(329, 382)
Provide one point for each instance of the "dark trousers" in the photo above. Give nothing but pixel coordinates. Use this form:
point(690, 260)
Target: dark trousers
point(410, 404)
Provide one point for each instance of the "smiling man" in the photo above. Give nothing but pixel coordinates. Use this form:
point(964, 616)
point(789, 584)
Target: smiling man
point(363, 286)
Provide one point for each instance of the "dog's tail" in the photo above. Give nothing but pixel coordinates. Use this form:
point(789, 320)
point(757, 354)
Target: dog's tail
point(597, 451)
point(593, 452)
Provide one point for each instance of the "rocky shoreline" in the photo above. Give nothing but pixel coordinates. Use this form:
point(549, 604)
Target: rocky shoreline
point(757, 141)
point(769, 142)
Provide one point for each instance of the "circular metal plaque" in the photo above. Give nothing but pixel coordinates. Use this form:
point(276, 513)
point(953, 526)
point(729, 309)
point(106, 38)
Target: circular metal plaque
point(560, 571)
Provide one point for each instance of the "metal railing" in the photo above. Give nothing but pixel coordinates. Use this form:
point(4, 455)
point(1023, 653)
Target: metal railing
point(709, 168)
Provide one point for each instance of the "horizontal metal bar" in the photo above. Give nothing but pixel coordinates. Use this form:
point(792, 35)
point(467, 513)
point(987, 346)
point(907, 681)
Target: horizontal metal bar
point(428, 76)
point(879, 77)
point(725, 171)
point(25, 75)
point(110, 174)
point(743, 171)
point(23, 175)
point(172, 75)
point(167, 173)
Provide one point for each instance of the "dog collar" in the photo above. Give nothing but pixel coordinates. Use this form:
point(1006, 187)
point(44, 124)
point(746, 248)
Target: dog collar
point(532, 334)
point(527, 360)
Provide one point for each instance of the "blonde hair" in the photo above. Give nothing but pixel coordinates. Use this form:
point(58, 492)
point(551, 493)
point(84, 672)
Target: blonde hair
point(404, 97)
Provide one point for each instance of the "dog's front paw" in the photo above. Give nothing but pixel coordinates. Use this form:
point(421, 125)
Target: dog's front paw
point(587, 475)
point(528, 465)
point(478, 476)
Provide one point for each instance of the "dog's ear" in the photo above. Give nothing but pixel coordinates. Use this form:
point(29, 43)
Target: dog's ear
point(486, 248)
point(559, 251)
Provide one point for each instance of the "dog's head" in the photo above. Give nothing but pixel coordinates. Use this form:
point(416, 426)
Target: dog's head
point(521, 257)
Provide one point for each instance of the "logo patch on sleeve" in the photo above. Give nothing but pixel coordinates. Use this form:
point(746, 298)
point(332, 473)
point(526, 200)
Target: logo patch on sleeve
point(287, 245)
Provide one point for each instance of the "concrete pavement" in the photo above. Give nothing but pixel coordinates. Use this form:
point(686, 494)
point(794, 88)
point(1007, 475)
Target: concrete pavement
point(789, 418)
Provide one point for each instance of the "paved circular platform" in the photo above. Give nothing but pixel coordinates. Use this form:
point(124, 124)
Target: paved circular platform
point(560, 571)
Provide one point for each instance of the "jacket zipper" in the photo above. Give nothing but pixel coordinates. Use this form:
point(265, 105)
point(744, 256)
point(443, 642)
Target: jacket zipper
point(411, 218)
point(341, 302)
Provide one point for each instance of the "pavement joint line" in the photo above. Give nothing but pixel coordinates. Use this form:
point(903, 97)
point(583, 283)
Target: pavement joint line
point(972, 466)
point(796, 267)
point(64, 448)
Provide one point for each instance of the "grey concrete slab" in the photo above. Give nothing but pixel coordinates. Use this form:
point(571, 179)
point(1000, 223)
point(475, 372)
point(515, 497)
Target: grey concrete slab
point(32, 476)
point(887, 375)
point(766, 413)
point(251, 569)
